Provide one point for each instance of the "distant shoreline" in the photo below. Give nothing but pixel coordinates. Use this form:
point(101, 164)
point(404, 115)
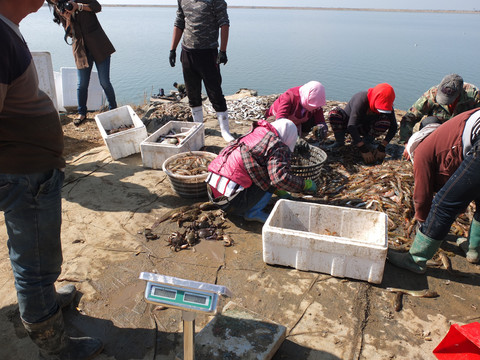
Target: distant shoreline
point(318, 9)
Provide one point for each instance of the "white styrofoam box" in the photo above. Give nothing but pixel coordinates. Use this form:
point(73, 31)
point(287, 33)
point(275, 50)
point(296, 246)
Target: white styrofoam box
point(154, 154)
point(96, 97)
point(59, 90)
point(125, 142)
point(339, 241)
point(43, 64)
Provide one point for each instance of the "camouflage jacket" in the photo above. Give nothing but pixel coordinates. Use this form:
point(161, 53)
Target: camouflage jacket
point(200, 21)
point(427, 105)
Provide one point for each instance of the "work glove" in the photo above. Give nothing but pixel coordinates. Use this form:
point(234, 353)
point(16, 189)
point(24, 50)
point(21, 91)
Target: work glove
point(172, 58)
point(283, 194)
point(310, 186)
point(301, 147)
point(406, 130)
point(320, 131)
point(222, 57)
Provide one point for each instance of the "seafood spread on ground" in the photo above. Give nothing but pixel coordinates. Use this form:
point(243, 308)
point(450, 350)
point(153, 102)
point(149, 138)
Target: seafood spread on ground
point(199, 222)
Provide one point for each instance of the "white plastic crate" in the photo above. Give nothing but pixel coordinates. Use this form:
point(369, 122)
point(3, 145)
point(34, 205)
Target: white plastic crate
point(125, 142)
point(339, 241)
point(69, 78)
point(154, 154)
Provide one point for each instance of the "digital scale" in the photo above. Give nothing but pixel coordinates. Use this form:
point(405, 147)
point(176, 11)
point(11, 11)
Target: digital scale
point(191, 297)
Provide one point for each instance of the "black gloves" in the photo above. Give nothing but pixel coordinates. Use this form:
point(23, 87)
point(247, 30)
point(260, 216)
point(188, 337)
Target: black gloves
point(222, 57)
point(301, 147)
point(172, 58)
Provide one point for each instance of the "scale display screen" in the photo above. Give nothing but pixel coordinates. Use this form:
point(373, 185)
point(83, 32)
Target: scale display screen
point(181, 298)
point(169, 294)
point(196, 299)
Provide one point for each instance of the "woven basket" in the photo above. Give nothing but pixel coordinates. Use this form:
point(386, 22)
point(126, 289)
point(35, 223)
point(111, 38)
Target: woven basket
point(308, 166)
point(188, 186)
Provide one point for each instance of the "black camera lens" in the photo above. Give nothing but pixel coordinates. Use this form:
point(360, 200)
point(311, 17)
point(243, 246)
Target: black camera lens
point(68, 6)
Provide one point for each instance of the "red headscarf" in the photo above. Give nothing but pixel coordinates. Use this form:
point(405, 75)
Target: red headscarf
point(381, 97)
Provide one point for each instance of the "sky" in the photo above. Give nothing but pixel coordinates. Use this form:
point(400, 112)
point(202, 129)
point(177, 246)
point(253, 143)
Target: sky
point(378, 4)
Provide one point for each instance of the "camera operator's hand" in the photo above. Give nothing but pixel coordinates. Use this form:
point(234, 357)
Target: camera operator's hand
point(172, 58)
point(222, 57)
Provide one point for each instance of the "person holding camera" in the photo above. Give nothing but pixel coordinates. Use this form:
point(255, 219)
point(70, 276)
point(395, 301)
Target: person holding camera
point(90, 45)
point(198, 22)
point(31, 180)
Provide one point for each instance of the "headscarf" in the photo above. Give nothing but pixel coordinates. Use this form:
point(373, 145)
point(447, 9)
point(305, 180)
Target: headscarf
point(287, 131)
point(418, 137)
point(381, 98)
point(312, 95)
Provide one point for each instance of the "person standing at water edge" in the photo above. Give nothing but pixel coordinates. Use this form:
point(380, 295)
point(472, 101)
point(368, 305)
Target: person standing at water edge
point(443, 101)
point(90, 45)
point(367, 116)
point(302, 105)
point(198, 22)
point(31, 179)
point(447, 161)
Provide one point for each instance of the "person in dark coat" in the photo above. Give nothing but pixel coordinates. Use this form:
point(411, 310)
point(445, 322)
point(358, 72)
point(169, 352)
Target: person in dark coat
point(367, 116)
point(90, 46)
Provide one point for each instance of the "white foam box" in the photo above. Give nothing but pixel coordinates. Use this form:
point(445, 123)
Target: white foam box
point(154, 154)
point(339, 241)
point(46, 79)
point(69, 78)
point(125, 142)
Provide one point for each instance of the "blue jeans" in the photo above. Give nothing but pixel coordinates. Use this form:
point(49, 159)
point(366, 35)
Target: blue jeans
point(461, 189)
point(103, 70)
point(32, 205)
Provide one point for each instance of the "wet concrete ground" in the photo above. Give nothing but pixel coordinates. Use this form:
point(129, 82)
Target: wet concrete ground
point(107, 203)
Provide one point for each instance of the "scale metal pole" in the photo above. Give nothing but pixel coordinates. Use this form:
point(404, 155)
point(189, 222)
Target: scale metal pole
point(188, 318)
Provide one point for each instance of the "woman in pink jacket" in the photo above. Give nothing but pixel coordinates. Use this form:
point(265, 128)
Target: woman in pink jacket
point(303, 106)
point(246, 173)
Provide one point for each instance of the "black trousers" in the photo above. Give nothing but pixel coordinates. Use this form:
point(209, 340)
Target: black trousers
point(201, 65)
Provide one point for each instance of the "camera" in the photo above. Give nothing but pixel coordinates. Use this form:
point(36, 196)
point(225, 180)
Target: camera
point(64, 5)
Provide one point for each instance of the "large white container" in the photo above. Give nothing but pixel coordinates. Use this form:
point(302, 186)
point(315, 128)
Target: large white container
point(125, 142)
point(46, 80)
point(154, 154)
point(339, 241)
point(96, 97)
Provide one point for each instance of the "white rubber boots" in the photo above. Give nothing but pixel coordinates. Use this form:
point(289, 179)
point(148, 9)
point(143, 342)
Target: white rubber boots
point(197, 114)
point(224, 126)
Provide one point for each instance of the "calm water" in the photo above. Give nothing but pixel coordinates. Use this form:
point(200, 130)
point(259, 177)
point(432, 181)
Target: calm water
point(272, 50)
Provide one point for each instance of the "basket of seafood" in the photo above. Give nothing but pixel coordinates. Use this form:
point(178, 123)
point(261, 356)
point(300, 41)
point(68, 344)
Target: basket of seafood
point(188, 171)
point(308, 163)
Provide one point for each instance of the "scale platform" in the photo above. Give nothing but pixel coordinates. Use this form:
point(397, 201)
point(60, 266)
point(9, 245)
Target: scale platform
point(238, 333)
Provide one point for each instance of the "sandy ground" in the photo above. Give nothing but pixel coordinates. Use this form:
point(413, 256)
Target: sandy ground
point(106, 206)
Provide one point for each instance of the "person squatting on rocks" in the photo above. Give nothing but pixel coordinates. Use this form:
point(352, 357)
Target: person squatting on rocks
point(447, 161)
point(302, 105)
point(90, 45)
point(443, 101)
point(243, 177)
point(198, 22)
point(31, 179)
point(367, 116)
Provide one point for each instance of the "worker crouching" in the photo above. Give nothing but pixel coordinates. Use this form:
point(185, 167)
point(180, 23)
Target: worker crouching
point(246, 173)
